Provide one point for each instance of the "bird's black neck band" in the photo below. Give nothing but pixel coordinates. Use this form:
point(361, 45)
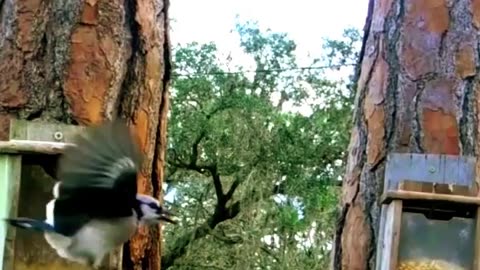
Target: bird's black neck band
point(138, 209)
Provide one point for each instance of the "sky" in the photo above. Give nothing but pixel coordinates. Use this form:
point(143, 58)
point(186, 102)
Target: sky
point(307, 22)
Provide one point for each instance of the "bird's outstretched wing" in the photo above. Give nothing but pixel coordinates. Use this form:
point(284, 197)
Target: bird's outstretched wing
point(97, 177)
point(104, 156)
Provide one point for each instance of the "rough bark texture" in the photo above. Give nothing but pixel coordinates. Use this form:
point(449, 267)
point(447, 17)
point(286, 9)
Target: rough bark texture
point(417, 88)
point(80, 62)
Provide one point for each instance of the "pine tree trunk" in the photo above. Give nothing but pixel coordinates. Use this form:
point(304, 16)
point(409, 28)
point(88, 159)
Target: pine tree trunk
point(417, 88)
point(80, 62)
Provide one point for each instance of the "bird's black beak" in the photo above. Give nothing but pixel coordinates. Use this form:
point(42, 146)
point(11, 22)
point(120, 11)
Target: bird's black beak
point(167, 216)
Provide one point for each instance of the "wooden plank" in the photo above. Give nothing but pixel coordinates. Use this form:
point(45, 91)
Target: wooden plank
point(443, 188)
point(395, 238)
point(414, 195)
point(476, 256)
point(390, 236)
point(115, 260)
point(381, 236)
point(429, 168)
point(435, 167)
point(415, 186)
point(466, 173)
point(10, 166)
point(465, 191)
point(27, 137)
point(43, 131)
point(32, 147)
point(408, 185)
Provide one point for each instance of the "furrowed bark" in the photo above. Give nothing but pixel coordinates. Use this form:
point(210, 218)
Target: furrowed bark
point(145, 85)
point(81, 62)
point(416, 92)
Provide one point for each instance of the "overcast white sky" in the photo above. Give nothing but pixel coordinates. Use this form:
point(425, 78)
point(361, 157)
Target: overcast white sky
point(307, 21)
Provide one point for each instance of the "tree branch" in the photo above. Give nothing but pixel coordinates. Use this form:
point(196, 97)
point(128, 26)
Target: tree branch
point(220, 214)
point(217, 183)
point(194, 154)
point(225, 239)
point(270, 253)
point(232, 189)
point(170, 173)
point(180, 246)
point(223, 210)
point(202, 266)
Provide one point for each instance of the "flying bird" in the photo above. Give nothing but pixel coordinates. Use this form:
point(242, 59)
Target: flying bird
point(95, 206)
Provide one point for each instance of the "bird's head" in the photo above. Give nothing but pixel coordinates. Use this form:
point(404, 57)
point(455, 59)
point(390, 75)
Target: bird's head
point(152, 212)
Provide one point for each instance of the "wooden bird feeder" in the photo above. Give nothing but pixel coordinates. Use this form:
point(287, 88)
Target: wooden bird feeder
point(429, 214)
point(27, 169)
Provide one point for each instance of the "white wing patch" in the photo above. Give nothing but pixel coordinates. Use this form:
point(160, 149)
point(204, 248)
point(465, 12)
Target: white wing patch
point(25, 225)
point(49, 213)
point(58, 242)
point(56, 190)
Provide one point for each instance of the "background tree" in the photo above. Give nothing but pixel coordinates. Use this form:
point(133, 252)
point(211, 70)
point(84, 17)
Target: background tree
point(80, 62)
point(417, 91)
point(255, 179)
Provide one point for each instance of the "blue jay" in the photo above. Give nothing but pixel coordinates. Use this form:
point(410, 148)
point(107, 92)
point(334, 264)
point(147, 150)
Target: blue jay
point(95, 206)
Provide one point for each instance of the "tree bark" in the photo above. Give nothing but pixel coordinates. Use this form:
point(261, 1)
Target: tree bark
point(81, 62)
point(417, 88)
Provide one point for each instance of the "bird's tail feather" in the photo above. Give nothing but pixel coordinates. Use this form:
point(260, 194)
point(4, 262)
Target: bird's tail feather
point(30, 224)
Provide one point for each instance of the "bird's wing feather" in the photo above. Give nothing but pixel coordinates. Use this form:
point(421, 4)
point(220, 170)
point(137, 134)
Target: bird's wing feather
point(101, 157)
point(98, 177)
point(31, 224)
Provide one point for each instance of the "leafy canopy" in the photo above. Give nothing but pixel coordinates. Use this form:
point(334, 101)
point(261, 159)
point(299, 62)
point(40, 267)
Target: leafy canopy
point(254, 176)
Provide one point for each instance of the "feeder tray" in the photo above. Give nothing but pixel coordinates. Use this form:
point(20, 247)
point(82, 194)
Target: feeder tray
point(429, 213)
point(425, 264)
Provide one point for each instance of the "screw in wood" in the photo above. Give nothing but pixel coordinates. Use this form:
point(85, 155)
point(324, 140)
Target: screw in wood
point(58, 135)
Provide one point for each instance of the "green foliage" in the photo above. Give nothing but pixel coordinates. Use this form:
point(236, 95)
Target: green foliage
point(279, 166)
point(344, 51)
